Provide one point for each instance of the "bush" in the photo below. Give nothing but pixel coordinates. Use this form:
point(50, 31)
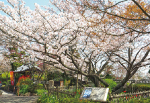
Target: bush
point(108, 76)
point(35, 76)
point(27, 85)
point(23, 89)
point(111, 83)
point(5, 75)
point(138, 87)
point(133, 100)
point(39, 86)
point(41, 92)
point(141, 87)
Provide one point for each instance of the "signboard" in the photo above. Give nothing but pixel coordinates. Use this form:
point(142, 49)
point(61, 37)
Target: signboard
point(95, 93)
point(12, 77)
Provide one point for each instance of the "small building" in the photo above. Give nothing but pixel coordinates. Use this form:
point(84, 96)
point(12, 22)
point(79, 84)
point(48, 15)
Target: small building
point(27, 68)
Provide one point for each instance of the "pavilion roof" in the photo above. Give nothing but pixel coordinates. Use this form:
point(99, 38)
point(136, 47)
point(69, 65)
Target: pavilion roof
point(26, 67)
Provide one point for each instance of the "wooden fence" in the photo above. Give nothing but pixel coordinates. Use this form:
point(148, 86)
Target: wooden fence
point(135, 81)
point(63, 90)
point(128, 96)
point(59, 90)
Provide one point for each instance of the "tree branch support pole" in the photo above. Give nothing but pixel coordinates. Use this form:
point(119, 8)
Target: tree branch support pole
point(77, 83)
point(57, 91)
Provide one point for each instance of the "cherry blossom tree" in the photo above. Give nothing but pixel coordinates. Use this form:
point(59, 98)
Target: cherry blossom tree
point(82, 35)
point(4, 66)
point(126, 22)
point(61, 40)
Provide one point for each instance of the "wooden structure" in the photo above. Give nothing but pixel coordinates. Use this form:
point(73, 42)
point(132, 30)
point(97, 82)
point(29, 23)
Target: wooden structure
point(27, 68)
point(135, 81)
point(58, 90)
point(128, 96)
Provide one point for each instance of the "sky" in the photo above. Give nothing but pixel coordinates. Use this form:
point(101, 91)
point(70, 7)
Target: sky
point(30, 3)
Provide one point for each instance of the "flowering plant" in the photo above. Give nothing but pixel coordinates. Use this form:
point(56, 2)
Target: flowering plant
point(124, 91)
point(22, 78)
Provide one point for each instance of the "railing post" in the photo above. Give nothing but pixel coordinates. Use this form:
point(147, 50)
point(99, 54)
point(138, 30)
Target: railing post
point(18, 91)
point(57, 91)
point(48, 88)
point(8, 88)
point(110, 96)
point(14, 89)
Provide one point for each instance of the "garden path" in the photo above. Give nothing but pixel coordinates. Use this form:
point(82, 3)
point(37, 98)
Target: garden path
point(7, 97)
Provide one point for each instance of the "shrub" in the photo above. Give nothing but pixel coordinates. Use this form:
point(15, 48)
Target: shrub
point(27, 85)
point(41, 92)
point(111, 83)
point(138, 87)
point(108, 76)
point(47, 99)
point(23, 89)
point(66, 82)
point(141, 87)
point(5, 74)
point(39, 86)
point(133, 100)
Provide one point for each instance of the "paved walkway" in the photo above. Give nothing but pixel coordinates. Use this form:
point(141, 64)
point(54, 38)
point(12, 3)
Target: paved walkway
point(7, 97)
point(4, 93)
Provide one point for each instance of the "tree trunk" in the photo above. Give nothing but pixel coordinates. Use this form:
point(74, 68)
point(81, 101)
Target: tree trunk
point(128, 76)
point(95, 81)
point(122, 83)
